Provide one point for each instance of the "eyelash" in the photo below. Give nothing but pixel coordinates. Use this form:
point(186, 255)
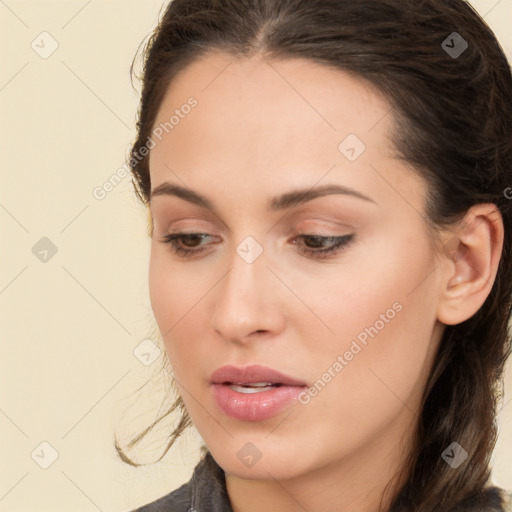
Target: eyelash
point(341, 243)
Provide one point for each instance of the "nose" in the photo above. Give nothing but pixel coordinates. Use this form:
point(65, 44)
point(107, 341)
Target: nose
point(248, 303)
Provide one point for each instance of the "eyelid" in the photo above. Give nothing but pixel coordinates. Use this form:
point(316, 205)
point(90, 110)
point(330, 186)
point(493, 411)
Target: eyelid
point(324, 219)
point(301, 213)
point(169, 212)
point(187, 225)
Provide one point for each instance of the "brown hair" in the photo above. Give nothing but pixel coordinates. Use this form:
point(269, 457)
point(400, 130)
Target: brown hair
point(453, 123)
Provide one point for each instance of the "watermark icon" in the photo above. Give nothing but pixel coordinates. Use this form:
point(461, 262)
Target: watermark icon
point(44, 250)
point(508, 193)
point(147, 352)
point(352, 147)
point(454, 455)
point(454, 45)
point(44, 455)
point(355, 348)
point(249, 250)
point(249, 454)
point(101, 192)
point(45, 45)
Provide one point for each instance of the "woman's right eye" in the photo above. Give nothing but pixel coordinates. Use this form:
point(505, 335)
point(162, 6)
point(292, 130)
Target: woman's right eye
point(185, 244)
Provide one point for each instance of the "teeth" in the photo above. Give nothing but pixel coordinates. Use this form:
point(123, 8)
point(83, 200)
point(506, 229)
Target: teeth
point(256, 387)
point(258, 384)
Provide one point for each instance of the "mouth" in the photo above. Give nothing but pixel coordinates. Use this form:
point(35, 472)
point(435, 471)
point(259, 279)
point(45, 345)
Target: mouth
point(253, 393)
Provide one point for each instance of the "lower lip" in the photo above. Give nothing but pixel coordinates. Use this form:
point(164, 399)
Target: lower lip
point(254, 406)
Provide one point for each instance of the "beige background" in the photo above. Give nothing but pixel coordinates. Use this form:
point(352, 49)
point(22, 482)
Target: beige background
point(70, 325)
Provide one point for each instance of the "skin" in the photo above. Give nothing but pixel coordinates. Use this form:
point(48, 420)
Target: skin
point(263, 128)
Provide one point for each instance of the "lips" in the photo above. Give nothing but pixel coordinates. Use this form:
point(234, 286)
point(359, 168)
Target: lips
point(253, 393)
point(252, 374)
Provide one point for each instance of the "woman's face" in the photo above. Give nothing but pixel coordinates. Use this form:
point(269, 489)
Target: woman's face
point(312, 259)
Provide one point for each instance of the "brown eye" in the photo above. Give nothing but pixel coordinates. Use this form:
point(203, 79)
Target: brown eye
point(317, 242)
point(193, 239)
point(323, 246)
point(186, 244)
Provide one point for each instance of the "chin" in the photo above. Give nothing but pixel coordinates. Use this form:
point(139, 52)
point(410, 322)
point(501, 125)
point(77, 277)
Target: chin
point(259, 460)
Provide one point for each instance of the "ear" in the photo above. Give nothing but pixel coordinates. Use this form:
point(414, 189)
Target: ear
point(470, 259)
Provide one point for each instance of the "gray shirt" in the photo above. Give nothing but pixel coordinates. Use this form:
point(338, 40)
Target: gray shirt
point(206, 492)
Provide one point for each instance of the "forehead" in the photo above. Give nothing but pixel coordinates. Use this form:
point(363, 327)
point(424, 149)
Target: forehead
point(274, 122)
point(273, 102)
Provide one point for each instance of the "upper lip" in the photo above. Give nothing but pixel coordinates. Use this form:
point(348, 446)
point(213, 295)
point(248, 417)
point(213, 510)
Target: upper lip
point(251, 374)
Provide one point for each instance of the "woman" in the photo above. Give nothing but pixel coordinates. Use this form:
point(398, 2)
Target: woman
point(331, 249)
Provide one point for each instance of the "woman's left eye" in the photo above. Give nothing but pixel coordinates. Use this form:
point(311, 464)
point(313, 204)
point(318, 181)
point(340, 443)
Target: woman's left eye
point(324, 246)
point(190, 244)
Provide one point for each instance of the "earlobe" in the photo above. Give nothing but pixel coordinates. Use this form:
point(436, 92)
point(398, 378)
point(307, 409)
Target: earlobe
point(471, 257)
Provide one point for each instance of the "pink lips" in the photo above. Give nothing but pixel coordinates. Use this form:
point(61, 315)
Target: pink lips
point(249, 374)
point(256, 405)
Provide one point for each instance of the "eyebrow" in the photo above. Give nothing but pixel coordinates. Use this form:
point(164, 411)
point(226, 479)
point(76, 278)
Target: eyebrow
point(282, 202)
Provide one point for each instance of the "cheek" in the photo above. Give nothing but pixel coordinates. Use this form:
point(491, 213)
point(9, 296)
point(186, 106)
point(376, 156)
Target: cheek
point(169, 295)
point(178, 299)
point(384, 314)
point(174, 289)
point(365, 289)
point(163, 288)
